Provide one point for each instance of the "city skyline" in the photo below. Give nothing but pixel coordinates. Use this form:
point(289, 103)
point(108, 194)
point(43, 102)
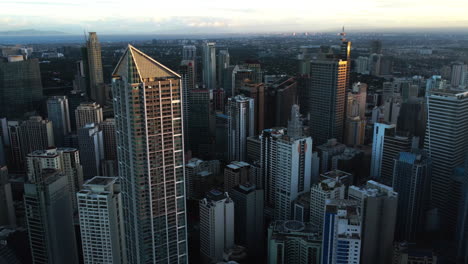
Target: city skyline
point(115, 17)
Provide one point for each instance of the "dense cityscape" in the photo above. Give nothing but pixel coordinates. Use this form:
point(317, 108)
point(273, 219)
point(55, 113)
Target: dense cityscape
point(301, 148)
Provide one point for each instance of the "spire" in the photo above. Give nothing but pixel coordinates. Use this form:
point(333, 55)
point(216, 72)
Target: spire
point(295, 123)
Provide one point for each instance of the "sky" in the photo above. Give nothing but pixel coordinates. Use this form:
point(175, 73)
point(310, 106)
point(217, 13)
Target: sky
point(234, 16)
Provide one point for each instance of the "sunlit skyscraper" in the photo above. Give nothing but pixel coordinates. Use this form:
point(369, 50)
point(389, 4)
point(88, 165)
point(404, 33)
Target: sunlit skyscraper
point(96, 79)
point(148, 116)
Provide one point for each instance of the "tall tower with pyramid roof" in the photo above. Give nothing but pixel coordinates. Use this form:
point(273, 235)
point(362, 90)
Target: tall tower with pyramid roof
point(149, 134)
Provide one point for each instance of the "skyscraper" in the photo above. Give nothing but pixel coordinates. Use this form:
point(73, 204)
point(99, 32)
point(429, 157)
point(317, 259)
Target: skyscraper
point(241, 124)
point(58, 113)
point(187, 72)
point(200, 122)
point(197, 174)
point(248, 217)
point(91, 144)
point(279, 96)
point(108, 135)
point(235, 173)
point(326, 95)
point(378, 205)
point(256, 91)
point(149, 131)
point(341, 232)
point(294, 242)
point(446, 141)
point(87, 113)
point(459, 75)
point(101, 221)
point(64, 160)
point(189, 52)
point(216, 225)
point(222, 65)
point(7, 211)
point(35, 134)
point(49, 218)
point(96, 80)
point(209, 65)
point(411, 179)
point(20, 86)
point(286, 164)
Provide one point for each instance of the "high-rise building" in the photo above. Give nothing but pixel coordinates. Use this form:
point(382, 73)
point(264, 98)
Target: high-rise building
point(75, 99)
point(101, 221)
point(20, 86)
point(326, 95)
point(356, 101)
point(64, 160)
point(378, 205)
point(87, 113)
point(249, 223)
point(411, 179)
point(294, 242)
point(216, 225)
point(97, 91)
point(49, 218)
point(240, 75)
point(326, 188)
point(150, 151)
point(435, 83)
point(7, 210)
point(286, 165)
point(392, 145)
point(376, 46)
point(200, 122)
point(280, 95)
point(235, 173)
point(241, 124)
point(58, 113)
point(198, 177)
point(412, 253)
point(341, 232)
point(91, 145)
point(222, 65)
point(255, 66)
point(187, 72)
point(209, 65)
point(362, 65)
point(108, 135)
point(189, 52)
point(380, 131)
point(459, 75)
point(256, 91)
point(35, 134)
point(446, 142)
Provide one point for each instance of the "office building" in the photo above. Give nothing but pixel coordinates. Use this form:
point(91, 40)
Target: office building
point(156, 220)
point(241, 124)
point(187, 73)
point(87, 113)
point(75, 99)
point(199, 176)
point(255, 66)
point(216, 225)
point(248, 215)
point(294, 242)
point(240, 75)
point(64, 160)
point(35, 134)
point(49, 218)
point(446, 141)
point(435, 83)
point(362, 65)
point(286, 165)
point(20, 86)
point(91, 145)
point(96, 91)
point(280, 95)
point(327, 188)
point(209, 65)
point(101, 221)
point(459, 75)
point(189, 52)
point(108, 135)
point(235, 173)
point(356, 101)
point(378, 205)
point(341, 232)
point(301, 208)
point(325, 95)
point(222, 65)
point(58, 113)
point(411, 179)
point(412, 253)
point(7, 210)
point(200, 123)
point(256, 91)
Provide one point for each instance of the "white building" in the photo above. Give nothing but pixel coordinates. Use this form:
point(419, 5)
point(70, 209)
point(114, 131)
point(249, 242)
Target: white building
point(216, 225)
point(327, 188)
point(101, 221)
point(287, 168)
point(341, 232)
point(241, 124)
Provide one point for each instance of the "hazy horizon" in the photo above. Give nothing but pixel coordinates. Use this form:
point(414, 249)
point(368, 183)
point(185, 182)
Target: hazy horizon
point(210, 16)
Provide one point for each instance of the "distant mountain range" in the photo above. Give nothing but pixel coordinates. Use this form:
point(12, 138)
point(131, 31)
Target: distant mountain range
point(30, 32)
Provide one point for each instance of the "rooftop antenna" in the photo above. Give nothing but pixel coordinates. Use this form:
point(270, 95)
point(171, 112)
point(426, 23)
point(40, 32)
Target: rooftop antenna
point(343, 35)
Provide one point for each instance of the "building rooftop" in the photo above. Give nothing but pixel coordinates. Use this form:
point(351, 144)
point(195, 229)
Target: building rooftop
point(291, 228)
